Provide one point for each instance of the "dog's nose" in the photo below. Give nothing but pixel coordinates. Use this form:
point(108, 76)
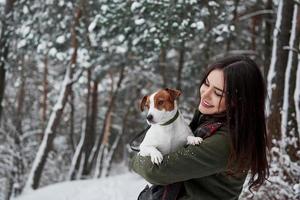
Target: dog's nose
point(149, 117)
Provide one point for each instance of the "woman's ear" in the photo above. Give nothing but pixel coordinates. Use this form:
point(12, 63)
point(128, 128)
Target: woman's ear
point(143, 102)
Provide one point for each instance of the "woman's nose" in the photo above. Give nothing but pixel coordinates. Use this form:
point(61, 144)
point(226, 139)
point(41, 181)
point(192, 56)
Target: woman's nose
point(207, 93)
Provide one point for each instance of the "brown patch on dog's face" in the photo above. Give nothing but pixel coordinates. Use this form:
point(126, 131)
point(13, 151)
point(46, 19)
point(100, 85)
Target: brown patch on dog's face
point(165, 99)
point(145, 102)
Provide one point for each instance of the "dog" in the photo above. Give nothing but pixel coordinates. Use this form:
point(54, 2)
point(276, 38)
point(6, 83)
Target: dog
point(168, 129)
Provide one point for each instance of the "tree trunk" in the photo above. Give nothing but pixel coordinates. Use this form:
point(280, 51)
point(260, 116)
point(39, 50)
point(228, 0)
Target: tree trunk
point(94, 112)
point(233, 22)
point(180, 65)
point(88, 140)
point(276, 82)
point(289, 122)
point(163, 65)
point(109, 157)
point(45, 93)
point(267, 39)
point(297, 98)
point(20, 98)
point(8, 188)
point(72, 121)
point(92, 120)
point(4, 38)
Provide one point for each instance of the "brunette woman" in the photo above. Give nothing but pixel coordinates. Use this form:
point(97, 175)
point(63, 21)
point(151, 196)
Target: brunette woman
point(231, 119)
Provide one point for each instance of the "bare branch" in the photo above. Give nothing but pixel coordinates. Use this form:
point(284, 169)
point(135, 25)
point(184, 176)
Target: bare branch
point(235, 52)
point(256, 13)
point(291, 49)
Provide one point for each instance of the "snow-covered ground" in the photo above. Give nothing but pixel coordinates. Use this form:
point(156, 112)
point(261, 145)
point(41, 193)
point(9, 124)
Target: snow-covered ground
point(119, 187)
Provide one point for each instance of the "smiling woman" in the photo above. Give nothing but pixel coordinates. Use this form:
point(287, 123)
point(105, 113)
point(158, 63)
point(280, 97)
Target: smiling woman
point(232, 94)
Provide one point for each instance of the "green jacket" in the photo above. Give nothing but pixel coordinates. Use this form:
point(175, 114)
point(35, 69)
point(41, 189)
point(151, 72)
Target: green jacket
point(202, 168)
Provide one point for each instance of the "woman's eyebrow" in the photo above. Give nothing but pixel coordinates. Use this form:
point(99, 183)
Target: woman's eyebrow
point(215, 86)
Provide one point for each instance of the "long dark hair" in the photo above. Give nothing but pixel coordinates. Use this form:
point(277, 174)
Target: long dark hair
point(245, 94)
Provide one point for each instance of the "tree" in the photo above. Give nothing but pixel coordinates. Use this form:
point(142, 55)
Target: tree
point(278, 66)
point(6, 30)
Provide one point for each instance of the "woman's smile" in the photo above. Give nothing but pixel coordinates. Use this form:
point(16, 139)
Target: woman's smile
point(206, 104)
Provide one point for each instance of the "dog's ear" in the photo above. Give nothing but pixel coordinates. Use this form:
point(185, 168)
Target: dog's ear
point(173, 92)
point(143, 102)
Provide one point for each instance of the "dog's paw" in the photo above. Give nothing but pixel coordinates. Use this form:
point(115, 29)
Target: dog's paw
point(194, 140)
point(156, 157)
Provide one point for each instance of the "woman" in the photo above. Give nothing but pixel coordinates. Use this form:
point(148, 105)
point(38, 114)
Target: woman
point(232, 96)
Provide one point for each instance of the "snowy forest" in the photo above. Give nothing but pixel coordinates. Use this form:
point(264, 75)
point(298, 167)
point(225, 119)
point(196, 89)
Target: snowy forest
point(72, 74)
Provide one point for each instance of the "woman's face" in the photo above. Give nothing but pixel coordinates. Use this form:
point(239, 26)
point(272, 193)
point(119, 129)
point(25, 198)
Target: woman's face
point(211, 92)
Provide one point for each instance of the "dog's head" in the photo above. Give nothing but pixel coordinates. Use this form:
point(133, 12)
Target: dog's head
point(161, 105)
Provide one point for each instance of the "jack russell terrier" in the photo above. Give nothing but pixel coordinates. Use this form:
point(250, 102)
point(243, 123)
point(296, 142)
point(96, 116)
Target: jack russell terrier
point(168, 129)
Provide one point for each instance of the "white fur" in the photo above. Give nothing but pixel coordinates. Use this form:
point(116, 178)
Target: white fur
point(160, 140)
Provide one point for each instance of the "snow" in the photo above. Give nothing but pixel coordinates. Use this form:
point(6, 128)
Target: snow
point(156, 41)
point(83, 57)
point(21, 44)
point(61, 3)
point(297, 188)
point(193, 2)
point(121, 38)
point(135, 5)
point(199, 25)
point(25, 9)
point(104, 8)
point(60, 39)
point(153, 29)
point(139, 21)
point(213, 4)
point(52, 51)
point(93, 24)
point(24, 30)
point(219, 39)
point(121, 49)
point(120, 187)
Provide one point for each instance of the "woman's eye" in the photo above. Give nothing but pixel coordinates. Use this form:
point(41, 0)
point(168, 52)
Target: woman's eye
point(206, 83)
point(219, 95)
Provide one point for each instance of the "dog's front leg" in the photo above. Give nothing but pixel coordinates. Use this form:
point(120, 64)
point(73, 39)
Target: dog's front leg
point(156, 156)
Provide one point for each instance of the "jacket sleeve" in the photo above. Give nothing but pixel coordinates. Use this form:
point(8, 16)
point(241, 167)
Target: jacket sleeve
point(186, 163)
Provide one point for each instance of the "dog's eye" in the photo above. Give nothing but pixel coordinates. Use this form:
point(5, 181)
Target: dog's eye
point(160, 102)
